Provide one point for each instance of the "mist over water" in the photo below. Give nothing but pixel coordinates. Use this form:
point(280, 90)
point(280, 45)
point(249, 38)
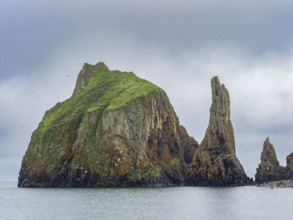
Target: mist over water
point(145, 203)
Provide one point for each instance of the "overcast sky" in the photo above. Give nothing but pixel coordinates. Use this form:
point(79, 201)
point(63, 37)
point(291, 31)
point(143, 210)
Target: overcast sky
point(178, 45)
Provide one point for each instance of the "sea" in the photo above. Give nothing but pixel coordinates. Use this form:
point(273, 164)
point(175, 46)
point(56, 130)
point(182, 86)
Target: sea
point(247, 202)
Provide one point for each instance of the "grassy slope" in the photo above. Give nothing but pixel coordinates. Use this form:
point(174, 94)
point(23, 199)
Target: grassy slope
point(106, 90)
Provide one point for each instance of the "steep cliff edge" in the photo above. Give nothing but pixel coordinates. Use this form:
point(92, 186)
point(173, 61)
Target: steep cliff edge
point(115, 130)
point(215, 162)
point(289, 167)
point(269, 168)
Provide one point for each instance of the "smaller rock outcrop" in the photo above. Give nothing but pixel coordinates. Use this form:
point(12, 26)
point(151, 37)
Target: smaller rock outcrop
point(277, 184)
point(289, 167)
point(215, 162)
point(269, 168)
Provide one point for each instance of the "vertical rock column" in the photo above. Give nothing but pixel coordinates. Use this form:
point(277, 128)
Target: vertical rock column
point(215, 162)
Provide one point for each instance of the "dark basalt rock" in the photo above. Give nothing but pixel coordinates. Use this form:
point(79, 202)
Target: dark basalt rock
point(269, 169)
point(215, 162)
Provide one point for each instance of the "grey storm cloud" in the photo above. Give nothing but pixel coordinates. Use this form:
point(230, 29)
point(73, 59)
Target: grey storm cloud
point(178, 45)
point(31, 29)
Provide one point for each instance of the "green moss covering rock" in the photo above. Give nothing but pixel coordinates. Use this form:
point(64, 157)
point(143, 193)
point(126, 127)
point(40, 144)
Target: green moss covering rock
point(115, 130)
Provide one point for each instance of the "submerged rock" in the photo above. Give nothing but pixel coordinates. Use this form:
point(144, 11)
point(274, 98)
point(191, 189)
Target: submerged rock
point(115, 130)
point(215, 162)
point(269, 168)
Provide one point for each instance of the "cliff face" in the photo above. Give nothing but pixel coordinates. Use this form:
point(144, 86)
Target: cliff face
point(269, 169)
point(115, 130)
point(289, 167)
point(215, 161)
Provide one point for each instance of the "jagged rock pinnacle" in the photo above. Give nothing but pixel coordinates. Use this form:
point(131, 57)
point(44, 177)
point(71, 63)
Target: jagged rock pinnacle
point(269, 168)
point(268, 153)
point(220, 132)
point(84, 76)
point(215, 161)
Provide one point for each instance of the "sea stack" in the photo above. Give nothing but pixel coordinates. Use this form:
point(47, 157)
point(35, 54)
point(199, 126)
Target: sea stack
point(115, 130)
point(269, 168)
point(215, 162)
point(289, 167)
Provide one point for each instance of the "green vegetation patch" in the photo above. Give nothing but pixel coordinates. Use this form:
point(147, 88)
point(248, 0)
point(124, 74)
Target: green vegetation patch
point(105, 90)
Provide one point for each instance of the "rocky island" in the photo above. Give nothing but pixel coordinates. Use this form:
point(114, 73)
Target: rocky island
point(269, 168)
point(115, 130)
point(119, 130)
point(270, 172)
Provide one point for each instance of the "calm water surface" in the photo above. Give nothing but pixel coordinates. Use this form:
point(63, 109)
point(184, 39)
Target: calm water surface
point(146, 203)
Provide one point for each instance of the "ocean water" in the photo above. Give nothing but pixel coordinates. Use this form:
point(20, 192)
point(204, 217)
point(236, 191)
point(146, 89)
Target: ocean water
point(247, 202)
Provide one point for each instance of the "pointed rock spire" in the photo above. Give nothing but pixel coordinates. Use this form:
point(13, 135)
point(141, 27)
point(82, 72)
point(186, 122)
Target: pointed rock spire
point(268, 153)
point(269, 168)
point(215, 161)
point(84, 75)
point(220, 132)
